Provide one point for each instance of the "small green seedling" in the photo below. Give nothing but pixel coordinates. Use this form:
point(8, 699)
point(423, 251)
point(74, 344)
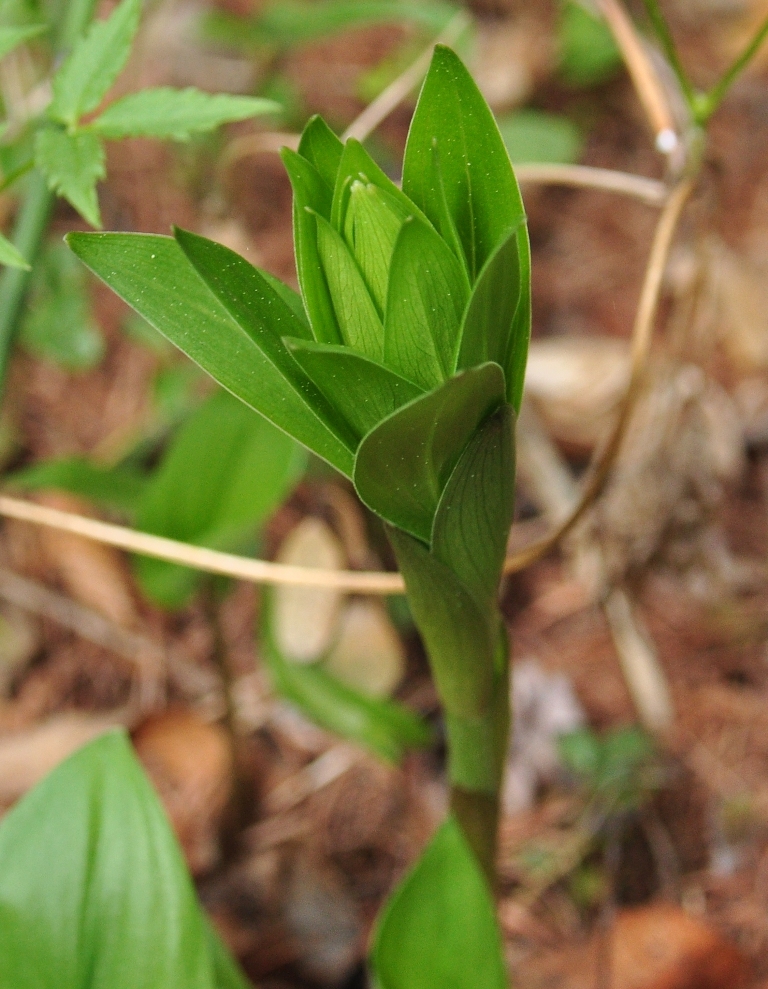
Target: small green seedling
point(401, 364)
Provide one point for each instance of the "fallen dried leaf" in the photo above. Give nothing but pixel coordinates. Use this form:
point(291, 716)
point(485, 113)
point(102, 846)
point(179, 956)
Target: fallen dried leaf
point(368, 654)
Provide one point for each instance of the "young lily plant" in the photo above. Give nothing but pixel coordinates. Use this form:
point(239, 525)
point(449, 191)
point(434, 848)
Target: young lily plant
point(401, 364)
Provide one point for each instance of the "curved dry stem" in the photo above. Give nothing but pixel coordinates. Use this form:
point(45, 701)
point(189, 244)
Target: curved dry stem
point(649, 191)
point(642, 335)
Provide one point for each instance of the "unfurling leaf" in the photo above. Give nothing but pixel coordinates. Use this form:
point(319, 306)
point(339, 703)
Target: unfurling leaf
point(175, 113)
point(72, 165)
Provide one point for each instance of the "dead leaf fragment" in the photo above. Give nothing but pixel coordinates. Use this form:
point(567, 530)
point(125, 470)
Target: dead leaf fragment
point(306, 618)
point(368, 654)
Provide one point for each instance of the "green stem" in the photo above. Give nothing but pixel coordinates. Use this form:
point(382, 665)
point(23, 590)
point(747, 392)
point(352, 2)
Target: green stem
point(664, 35)
point(477, 751)
point(708, 103)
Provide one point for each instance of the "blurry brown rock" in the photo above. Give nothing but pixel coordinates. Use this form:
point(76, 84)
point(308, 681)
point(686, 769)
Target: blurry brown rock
point(190, 764)
point(662, 947)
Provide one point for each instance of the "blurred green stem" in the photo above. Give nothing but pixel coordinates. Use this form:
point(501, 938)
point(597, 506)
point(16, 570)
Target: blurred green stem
point(664, 35)
point(707, 103)
point(37, 203)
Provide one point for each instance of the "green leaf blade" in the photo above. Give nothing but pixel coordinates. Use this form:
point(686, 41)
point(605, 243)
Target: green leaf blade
point(114, 487)
point(12, 37)
point(96, 61)
point(402, 465)
point(362, 391)
point(425, 302)
point(321, 148)
point(439, 928)
point(11, 256)
point(175, 114)
point(480, 187)
point(153, 275)
point(72, 165)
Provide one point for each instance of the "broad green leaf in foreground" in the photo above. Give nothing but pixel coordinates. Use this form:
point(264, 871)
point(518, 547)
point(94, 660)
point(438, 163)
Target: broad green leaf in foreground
point(402, 465)
point(175, 113)
point(479, 185)
point(384, 727)
point(94, 893)
point(439, 928)
point(11, 256)
point(153, 275)
point(224, 473)
point(12, 37)
point(96, 61)
point(362, 391)
point(72, 165)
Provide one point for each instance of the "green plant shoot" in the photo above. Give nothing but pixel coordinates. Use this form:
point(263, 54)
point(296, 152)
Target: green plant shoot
point(401, 365)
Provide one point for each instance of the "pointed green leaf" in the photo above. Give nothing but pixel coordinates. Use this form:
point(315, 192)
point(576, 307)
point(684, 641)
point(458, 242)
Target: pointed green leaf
point(357, 165)
point(291, 298)
point(96, 61)
point(72, 165)
point(372, 223)
point(460, 638)
point(320, 146)
point(362, 391)
point(153, 275)
point(474, 516)
point(404, 463)
point(496, 324)
point(311, 197)
point(439, 928)
point(480, 186)
point(112, 487)
point(93, 887)
point(12, 37)
point(175, 114)
point(446, 225)
point(11, 256)
point(384, 727)
point(242, 468)
point(426, 298)
point(356, 314)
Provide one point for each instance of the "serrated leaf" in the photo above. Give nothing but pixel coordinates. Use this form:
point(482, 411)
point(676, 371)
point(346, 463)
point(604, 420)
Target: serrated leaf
point(72, 165)
point(311, 197)
point(426, 298)
point(360, 325)
point(461, 639)
point(224, 473)
point(496, 323)
point(474, 516)
point(403, 464)
point(111, 487)
point(175, 114)
point(96, 60)
point(12, 37)
point(480, 187)
point(384, 727)
point(153, 275)
point(11, 256)
point(372, 223)
point(362, 391)
point(93, 887)
point(322, 148)
point(439, 928)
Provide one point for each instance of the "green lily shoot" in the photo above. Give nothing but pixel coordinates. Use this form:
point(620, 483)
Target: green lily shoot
point(401, 364)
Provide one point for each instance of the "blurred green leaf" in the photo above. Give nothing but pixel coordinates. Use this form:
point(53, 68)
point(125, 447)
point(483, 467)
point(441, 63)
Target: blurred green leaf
point(384, 727)
point(439, 928)
point(57, 324)
point(72, 165)
point(535, 136)
point(153, 275)
point(96, 61)
point(94, 893)
point(175, 114)
point(12, 37)
point(588, 53)
point(404, 463)
point(581, 752)
point(224, 473)
point(111, 487)
point(10, 256)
